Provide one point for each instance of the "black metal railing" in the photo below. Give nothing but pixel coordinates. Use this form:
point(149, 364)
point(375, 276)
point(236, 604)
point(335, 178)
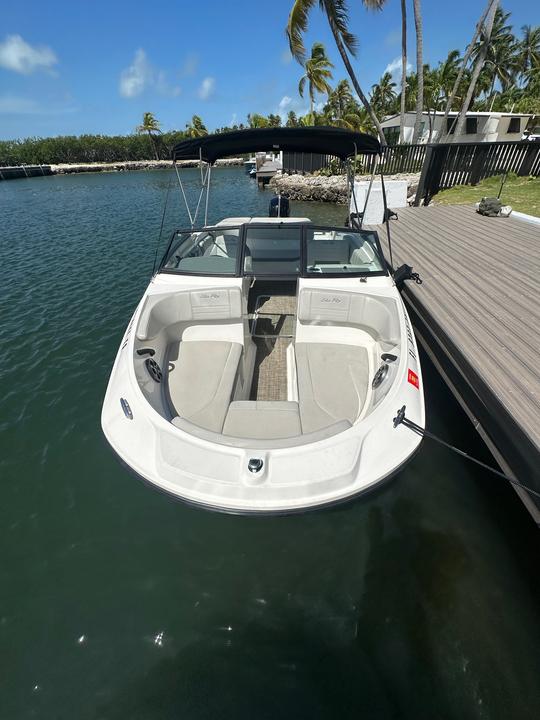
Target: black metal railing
point(395, 159)
point(446, 165)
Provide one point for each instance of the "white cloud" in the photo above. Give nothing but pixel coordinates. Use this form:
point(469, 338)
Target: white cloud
point(17, 55)
point(297, 105)
point(141, 76)
point(394, 68)
point(207, 87)
point(234, 119)
point(284, 103)
point(135, 78)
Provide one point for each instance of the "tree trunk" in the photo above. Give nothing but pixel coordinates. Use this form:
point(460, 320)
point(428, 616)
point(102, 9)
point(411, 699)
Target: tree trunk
point(479, 64)
point(153, 142)
point(419, 69)
point(464, 63)
point(433, 118)
point(403, 70)
point(365, 102)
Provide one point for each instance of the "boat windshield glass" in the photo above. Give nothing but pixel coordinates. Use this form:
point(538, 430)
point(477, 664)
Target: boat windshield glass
point(204, 252)
point(340, 252)
point(273, 250)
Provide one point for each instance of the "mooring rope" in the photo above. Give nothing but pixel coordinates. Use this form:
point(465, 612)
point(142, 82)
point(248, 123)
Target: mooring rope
point(400, 419)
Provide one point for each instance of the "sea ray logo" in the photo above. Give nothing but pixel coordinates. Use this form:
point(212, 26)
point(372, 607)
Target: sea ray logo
point(410, 340)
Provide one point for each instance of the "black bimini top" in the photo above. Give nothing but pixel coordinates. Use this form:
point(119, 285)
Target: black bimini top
point(325, 140)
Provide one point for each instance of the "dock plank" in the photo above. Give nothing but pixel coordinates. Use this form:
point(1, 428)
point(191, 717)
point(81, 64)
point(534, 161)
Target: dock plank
point(481, 284)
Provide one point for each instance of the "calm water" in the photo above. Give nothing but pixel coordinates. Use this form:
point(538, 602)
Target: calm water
point(418, 602)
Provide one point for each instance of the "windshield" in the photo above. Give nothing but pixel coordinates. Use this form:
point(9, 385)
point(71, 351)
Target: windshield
point(274, 250)
point(330, 251)
point(204, 252)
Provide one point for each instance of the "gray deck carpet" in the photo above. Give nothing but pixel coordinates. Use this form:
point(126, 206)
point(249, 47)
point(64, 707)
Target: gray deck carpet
point(272, 328)
point(270, 373)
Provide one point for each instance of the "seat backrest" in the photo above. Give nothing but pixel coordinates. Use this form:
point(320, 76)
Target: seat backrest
point(376, 314)
point(188, 306)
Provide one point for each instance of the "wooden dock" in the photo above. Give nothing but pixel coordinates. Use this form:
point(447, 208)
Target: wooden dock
point(267, 171)
point(477, 314)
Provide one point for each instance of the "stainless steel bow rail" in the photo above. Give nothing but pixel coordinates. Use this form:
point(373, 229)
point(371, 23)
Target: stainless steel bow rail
point(401, 419)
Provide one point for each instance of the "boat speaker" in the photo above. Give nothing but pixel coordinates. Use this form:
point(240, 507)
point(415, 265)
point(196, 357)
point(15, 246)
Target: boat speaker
point(154, 369)
point(379, 376)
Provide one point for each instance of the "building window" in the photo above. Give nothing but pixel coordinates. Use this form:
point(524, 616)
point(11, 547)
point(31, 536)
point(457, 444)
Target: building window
point(471, 126)
point(450, 125)
point(514, 126)
point(391, 134)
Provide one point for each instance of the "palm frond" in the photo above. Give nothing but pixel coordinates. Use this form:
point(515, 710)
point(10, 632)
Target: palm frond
point(338, 17)
point(297, 26)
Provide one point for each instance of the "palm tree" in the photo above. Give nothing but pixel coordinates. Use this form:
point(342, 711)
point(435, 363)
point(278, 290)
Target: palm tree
point(257, 121)
point(150, 125)
point(465, 62)
point(501, 57)
point(317, 74)
point(292, 120)
point(337, 14)
point(403, 70)
point(196, 128)
point(478, 65)
point(339, 100)
point(383, 95)
point(343, 111)
point(529, 48)
point(447, 73)
point(419, 69)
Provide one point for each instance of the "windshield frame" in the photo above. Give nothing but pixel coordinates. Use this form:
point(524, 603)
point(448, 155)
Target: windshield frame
point(303, 273)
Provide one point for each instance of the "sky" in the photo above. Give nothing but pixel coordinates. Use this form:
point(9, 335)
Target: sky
point(75, 67)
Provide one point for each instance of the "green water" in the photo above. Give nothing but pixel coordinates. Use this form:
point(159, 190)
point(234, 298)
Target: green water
point(420, 601)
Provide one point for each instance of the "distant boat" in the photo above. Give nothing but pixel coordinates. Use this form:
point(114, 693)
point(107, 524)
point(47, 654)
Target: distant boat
point(264, 365)
point(250, 164)
point(253, 172)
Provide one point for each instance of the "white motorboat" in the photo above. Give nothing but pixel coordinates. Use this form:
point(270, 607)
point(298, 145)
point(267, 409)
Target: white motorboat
point(264, 365)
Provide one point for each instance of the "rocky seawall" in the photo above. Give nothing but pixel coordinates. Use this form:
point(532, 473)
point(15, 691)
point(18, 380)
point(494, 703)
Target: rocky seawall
point(331, 188)
point(129, 165)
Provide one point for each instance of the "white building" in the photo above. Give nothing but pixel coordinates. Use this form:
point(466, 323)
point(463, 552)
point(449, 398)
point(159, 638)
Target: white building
point(479, 127)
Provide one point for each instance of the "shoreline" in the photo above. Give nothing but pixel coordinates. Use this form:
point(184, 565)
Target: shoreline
point(132, 165)
point(14, 172)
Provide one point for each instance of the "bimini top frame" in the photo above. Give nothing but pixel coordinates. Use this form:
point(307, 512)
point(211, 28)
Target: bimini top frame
point(343, 144)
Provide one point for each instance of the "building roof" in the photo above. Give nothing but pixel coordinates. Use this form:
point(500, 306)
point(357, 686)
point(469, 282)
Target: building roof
point(470, 113)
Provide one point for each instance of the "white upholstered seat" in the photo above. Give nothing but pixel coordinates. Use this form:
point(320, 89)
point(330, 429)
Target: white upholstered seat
point(333, 381)
point(266, 420)
point(200, 381)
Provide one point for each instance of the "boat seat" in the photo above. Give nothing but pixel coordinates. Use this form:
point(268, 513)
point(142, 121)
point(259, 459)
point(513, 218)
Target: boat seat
point(263, 420)
point(200, 380)
point(333, 382)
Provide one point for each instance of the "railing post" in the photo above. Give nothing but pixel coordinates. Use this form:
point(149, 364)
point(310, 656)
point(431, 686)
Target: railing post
point(479, 161)
point(422, 183)
point(531, 152)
